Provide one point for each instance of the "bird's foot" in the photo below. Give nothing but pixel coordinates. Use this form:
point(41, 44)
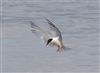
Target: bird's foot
point(60, 50)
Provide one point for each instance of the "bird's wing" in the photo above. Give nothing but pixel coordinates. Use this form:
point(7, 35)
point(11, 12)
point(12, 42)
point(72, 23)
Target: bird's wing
point(54, 29)
point(36, 28)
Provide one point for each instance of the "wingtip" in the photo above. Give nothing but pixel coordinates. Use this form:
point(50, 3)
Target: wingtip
point(46, 19)
point(31, 22)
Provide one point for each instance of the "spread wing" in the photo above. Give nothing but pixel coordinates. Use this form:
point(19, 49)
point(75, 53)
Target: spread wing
point(36, 28)
point(54, 29)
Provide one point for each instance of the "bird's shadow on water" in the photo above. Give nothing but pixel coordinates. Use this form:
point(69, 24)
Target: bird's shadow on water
point(67, 48)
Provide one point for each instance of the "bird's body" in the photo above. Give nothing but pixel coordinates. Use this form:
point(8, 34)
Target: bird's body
point(56, 40)
point(58, 43)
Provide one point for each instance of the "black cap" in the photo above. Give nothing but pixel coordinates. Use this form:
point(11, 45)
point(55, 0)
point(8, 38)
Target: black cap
point(48, 41)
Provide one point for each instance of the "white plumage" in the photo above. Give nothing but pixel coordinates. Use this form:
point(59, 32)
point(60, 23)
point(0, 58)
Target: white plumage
point(56, 40)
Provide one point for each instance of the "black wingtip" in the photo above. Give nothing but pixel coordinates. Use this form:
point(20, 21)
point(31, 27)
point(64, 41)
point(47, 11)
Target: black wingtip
point(31, 23)
point(47, 19)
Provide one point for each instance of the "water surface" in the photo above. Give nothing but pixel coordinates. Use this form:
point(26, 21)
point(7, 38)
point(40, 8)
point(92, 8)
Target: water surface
point(78, 21)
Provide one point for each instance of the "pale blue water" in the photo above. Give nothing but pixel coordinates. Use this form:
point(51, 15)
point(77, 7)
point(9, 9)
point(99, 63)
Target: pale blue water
point(78, 21)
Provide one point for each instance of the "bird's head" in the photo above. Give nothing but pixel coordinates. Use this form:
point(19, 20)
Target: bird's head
point(48, 41)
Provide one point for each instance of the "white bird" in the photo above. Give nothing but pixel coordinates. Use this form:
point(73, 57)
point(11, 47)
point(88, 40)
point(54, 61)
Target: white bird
point(56, 40)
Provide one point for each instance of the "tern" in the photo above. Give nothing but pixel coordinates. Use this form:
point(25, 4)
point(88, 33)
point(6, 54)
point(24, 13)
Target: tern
point(56, 40)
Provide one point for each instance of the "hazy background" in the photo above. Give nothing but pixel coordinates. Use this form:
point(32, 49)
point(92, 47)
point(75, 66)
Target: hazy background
point(78, 21)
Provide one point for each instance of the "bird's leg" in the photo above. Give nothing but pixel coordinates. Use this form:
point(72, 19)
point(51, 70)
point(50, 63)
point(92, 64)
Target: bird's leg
point(62, 48)
point(58, 49)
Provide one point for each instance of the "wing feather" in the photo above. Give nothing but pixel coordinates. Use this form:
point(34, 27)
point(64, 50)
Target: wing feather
point(54, 29)
point(45, 36)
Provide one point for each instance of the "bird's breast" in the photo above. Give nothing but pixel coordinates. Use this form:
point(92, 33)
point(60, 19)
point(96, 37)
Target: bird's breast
point(56, 41)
